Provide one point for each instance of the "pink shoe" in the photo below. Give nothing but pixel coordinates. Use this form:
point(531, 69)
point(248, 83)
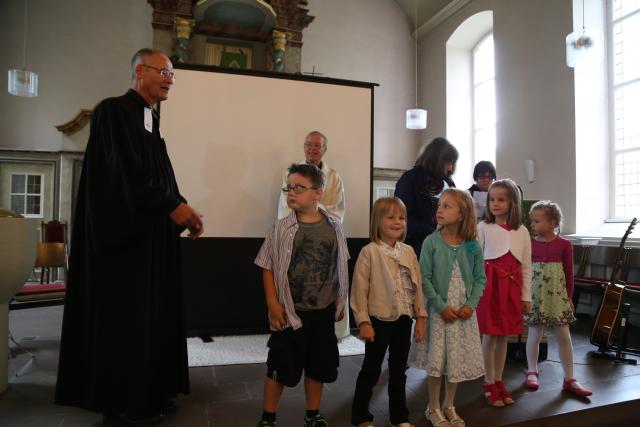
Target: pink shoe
point(504, 393)
point(492, 395)
point(531, 380)
point(574, 387)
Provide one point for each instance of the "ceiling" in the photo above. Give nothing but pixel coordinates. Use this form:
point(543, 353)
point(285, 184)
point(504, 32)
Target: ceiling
point(427, 9)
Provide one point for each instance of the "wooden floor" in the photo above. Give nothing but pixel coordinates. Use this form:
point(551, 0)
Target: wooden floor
point(230, 396)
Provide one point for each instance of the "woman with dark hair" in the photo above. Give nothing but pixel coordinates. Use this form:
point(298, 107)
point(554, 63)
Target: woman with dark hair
point(420, 188)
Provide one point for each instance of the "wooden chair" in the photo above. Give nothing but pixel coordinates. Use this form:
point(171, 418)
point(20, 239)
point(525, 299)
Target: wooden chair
point(55, 232)
point(580, 260)
point(599, 263)
point(631, 270)
point(48, 255)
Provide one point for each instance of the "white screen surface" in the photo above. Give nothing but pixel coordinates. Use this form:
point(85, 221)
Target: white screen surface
point(230, 138)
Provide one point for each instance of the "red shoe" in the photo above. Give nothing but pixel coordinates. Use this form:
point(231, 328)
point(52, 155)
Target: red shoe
point(576, 388)
point(504, 393)
point(531, 380)
point(492, 395)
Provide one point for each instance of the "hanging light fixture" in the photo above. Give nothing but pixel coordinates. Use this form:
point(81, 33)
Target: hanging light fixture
point(23, 82)
point(416, 117)
point(585, 46)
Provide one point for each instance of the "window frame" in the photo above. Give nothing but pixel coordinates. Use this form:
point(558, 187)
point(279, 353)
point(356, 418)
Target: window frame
point(474, 85)
point(612, 87)
point(26, 193)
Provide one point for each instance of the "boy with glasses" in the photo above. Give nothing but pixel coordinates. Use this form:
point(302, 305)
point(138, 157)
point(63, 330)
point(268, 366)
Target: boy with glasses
point(304, 261)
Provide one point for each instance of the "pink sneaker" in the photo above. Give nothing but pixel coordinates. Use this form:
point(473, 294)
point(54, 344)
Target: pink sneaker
point(576, 388)
point(531, 380)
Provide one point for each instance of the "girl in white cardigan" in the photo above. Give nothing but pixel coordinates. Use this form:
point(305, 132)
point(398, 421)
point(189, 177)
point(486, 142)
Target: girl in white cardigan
point(386, 294)
point(507, 252)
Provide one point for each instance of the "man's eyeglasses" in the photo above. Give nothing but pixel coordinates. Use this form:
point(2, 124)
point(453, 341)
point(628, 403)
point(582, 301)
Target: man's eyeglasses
point(316, 146)
point(298, 189)
point(163, 71)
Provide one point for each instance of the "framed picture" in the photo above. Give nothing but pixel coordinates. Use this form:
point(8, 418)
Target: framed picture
point(228, 56)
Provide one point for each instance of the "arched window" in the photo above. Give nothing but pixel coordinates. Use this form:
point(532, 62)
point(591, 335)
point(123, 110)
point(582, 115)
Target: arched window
point(484, 101)
point(471, 105)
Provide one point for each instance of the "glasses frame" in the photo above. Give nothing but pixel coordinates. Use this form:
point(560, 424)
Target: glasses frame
point(162, 71)
point(318, 146)
point(298, 189)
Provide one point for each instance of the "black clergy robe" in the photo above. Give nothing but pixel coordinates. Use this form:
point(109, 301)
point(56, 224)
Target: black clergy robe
point(123, 345)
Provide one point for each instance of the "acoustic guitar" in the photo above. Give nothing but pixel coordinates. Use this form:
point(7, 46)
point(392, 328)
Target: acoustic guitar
point(609, 310)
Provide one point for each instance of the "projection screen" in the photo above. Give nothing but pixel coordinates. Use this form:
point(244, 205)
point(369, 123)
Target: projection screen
point(231, 136)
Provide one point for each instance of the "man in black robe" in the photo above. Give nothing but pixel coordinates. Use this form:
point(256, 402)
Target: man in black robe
point(123, 349)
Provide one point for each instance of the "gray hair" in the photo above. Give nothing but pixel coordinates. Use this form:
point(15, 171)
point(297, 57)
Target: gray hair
point(145, 52)
point(320, 134)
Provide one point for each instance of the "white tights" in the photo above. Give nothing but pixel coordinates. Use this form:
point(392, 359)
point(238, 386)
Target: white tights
point(494, 351)
point(563, 338)
point(434, 385)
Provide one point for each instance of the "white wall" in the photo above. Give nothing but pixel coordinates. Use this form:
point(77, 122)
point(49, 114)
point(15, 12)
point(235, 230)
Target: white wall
point(369, 40)
point(534, 94)
point(81, 51)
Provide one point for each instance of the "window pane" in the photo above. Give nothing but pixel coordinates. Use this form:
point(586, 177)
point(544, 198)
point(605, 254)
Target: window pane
point(627, 190)
point(17, 183)
point(626, 111)
point(483, 66)
point(626, 49)
point(485, 145)
point(33, 184)
point(484, 105)
point(623, 7)
point(33, 205)
point(17, 204)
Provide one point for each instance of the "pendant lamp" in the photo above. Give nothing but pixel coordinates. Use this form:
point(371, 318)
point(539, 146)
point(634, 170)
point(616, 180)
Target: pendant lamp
point(416, 117)
point(23, 82)
point(584, 46)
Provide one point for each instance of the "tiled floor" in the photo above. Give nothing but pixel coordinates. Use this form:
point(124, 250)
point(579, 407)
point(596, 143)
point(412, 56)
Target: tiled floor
point(229, 396)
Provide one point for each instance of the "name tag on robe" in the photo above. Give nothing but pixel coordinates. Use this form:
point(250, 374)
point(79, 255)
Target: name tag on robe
point(148, 120)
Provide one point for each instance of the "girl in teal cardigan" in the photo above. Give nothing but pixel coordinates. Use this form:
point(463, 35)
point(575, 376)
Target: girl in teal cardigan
point(453, 279)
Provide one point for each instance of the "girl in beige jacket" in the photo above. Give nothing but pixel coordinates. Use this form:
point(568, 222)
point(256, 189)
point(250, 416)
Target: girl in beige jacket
point(386, 296)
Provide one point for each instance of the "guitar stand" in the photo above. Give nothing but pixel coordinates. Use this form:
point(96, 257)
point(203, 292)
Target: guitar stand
point(13, 355)
point(621, 349)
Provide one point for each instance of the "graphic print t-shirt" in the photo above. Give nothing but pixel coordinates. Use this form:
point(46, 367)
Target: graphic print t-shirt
point(312, 271)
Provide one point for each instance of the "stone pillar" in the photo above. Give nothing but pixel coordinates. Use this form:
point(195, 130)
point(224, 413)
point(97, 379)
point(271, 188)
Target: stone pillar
point(182, 28)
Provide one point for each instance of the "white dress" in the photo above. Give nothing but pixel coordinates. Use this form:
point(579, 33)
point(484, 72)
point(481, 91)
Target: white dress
point(451, 349)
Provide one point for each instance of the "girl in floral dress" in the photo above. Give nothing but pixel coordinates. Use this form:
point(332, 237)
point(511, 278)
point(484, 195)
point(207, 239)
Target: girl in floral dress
point(453, 279)
point(551, 291)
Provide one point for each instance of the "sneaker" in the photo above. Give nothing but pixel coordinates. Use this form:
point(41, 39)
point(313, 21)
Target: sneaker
point(492, 395)
point(531, 380)
point(316, 421)
point(263, 423)
point(504, 393)
point(576, 388)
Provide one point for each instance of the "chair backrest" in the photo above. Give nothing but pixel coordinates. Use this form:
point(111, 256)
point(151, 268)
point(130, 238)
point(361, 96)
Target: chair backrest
point(54, 232)
point(580, 259)
point(601, 261)
point(51, 255)
point(631, 270)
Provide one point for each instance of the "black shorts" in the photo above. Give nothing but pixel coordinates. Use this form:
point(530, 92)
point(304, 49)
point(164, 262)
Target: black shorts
point(312, 348)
